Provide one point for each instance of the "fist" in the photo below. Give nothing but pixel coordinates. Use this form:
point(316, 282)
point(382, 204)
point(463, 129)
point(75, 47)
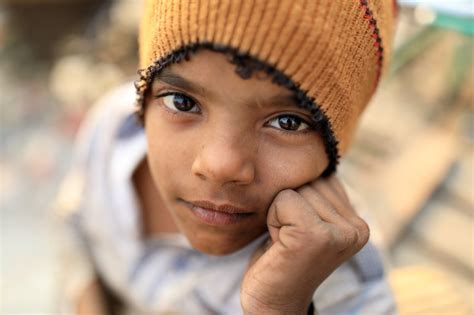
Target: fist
point(313, 230)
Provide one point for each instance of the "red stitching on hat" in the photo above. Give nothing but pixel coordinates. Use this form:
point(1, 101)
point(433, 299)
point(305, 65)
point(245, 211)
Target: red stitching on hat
point(369, 15)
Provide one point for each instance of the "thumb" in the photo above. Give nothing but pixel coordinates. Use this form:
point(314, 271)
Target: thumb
point(289, 214)
point(259, 252)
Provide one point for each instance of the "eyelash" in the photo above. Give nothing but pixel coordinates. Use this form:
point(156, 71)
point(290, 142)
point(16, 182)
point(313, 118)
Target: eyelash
point(284, 131)
point(177, 111)
point(309, 128)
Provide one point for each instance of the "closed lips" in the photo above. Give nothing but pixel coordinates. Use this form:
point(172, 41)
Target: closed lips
point(226, 208)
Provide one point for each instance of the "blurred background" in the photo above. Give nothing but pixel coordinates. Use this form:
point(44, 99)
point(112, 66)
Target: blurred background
point(412, 160)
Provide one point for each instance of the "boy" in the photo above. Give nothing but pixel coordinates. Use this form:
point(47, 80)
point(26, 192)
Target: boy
point(224, 198)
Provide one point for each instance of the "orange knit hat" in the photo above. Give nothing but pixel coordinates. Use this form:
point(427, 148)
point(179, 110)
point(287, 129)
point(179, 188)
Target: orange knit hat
point(330, 53)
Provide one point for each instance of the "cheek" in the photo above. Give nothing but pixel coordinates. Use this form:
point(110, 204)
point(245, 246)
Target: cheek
point(169, 152)
point(292, 167)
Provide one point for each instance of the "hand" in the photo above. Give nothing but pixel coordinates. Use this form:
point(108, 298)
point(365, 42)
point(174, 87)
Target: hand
point(313, 230)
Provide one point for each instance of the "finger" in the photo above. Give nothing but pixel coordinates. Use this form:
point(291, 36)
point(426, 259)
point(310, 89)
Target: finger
point(351, 232)
point(339, 187)
point(290, 212)
point(337, 201)
point(346, 210)
point(352, 215)
point(321, 205)
point(259, 251)
point(289, 208)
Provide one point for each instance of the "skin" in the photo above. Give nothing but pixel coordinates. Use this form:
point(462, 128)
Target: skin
point(245, 143)
point(90, 301)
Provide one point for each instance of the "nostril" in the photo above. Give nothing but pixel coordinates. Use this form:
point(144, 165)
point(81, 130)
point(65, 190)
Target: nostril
point(201, 176)
point(223, 169)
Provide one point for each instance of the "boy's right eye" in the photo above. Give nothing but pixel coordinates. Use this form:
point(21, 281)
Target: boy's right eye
point(179, 102)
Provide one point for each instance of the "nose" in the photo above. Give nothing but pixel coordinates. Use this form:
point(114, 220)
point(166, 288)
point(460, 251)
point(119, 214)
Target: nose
point(224, 159)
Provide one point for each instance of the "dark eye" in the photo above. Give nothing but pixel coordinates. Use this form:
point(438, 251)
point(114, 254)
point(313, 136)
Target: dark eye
point(180, 102)
point(289, 123)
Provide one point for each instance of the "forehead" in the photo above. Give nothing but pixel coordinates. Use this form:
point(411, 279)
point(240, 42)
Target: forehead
point(212, 75)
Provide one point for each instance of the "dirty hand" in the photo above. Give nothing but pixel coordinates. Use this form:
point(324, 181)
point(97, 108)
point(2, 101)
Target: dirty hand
point(313, 230)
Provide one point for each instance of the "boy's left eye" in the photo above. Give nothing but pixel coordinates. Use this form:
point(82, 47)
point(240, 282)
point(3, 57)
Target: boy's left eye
point(289, 123)
point(179, 102)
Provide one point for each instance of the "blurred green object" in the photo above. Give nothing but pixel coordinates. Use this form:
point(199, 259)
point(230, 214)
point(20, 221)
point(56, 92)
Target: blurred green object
point(429, 36)
point(412, 48)
point(458, 23)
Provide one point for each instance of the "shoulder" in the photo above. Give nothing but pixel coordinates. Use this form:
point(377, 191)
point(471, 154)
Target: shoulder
point(105, 118)
point(359, 286)
point(108, 120)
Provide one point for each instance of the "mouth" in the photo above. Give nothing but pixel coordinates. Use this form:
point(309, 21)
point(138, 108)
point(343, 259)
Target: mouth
point(217, 215)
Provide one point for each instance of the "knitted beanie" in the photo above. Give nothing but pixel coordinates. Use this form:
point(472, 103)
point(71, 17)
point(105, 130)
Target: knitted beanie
point(330, 53)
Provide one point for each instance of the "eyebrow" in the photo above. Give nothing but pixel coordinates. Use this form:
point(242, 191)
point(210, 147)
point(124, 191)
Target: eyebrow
point(170, 78)
point(280, 100)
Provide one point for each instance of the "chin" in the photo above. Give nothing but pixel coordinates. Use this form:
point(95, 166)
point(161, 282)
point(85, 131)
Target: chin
point(217, 247)
point(215, 251)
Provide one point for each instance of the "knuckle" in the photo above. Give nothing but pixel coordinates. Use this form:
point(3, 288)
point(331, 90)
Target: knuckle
point(283, 199)
point(365, 236)
point(319, 182)
point(351, 236)
point(363, 231)
point(363, 226)
point(361, 222)
point(286, 195)
point(347, 239)
point(305, 189)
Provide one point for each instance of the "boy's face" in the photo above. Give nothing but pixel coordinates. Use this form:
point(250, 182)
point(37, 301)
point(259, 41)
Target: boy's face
point(218, 141)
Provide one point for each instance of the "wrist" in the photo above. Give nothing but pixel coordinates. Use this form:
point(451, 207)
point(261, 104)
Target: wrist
point(256, 308)
point(273, 311)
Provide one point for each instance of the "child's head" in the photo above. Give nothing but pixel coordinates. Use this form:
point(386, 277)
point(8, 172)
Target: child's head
point(305, 71)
